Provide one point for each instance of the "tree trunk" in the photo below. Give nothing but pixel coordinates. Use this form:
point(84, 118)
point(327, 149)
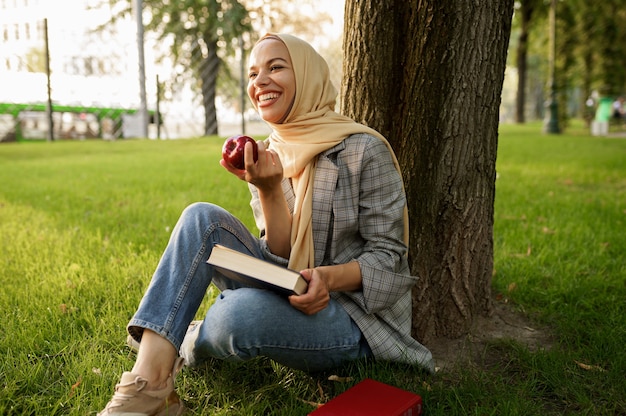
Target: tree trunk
point(209, 67)
point(428, 75)
point(526, 12)
point(371, 80)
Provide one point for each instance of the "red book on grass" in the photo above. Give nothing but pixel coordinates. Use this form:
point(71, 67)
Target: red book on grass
point(372, 398)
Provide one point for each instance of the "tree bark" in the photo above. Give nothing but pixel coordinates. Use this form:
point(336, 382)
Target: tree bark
point(370, 81)
point(428, 75)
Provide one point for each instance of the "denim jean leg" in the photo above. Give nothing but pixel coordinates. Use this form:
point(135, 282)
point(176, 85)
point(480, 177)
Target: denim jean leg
point(247, 322)
point(182, 276)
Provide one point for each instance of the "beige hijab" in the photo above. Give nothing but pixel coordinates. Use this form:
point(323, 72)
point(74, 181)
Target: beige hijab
point(311, 127)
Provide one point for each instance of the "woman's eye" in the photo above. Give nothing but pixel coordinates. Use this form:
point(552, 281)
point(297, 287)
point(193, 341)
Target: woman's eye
point(251, 75)
point(275, 67)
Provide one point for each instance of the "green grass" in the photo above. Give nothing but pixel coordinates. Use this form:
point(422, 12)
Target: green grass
point(82, 226)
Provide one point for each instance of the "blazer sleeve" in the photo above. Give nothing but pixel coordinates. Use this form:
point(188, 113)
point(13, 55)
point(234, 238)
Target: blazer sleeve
point(383, 262)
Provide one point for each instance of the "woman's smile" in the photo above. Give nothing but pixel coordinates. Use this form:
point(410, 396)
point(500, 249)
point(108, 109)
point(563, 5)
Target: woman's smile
point(271, 80)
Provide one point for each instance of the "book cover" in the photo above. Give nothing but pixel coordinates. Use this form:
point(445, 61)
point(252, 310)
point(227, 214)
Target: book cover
point(372, 398)
point(256, 272)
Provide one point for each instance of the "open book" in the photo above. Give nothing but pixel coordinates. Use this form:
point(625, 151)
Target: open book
point(256, 272)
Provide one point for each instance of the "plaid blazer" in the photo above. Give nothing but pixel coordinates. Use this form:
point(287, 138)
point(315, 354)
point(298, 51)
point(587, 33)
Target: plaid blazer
point(358, 203)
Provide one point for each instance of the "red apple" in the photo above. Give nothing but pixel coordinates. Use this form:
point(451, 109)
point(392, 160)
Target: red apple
point(232, 151)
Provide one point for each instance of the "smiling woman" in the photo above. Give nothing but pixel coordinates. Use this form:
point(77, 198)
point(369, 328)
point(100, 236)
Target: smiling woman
point(357, 304)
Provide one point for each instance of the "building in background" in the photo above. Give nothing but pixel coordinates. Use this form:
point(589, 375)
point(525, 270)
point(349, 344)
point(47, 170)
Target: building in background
point(78, 52)
point(94, 67)
point(92, 71)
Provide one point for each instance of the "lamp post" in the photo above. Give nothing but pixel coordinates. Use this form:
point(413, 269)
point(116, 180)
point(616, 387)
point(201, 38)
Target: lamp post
point(143, 106)
point(551, 123)
point(49, 108)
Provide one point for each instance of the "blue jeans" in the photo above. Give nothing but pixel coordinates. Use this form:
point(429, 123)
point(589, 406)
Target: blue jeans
point(243, 322)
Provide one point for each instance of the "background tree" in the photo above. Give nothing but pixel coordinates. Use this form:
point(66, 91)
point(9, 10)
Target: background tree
point(612, 47)
point(195, 31)
point(586, 25)
point(591, 54)
point(428, 75)
point(590, 58)
point(202, 37)
point(526, 11)
point(566, 74)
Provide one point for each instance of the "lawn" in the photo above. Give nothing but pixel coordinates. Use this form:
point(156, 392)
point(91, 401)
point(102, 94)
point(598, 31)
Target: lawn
point(83, 224)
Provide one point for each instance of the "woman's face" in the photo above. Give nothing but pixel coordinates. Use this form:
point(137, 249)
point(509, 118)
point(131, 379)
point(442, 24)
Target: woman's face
point(271, 80)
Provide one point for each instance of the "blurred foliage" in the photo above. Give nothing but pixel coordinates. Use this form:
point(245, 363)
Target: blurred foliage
point(590, 50)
